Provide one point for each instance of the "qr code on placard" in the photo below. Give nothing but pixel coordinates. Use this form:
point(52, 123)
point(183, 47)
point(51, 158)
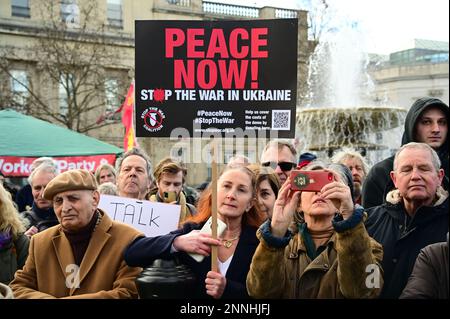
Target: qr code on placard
point(281, 120)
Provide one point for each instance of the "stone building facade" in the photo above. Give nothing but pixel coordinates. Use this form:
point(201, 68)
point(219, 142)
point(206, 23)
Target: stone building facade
point(420, 70)
point(22, 23)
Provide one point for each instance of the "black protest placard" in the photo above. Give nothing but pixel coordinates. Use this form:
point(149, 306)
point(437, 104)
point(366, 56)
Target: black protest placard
point(221, 77)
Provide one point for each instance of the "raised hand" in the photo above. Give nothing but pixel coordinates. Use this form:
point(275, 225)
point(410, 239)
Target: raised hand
point(341, 197)
point(284, 209)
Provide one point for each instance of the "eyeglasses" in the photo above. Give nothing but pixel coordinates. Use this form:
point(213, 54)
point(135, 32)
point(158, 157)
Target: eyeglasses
point(285, 166)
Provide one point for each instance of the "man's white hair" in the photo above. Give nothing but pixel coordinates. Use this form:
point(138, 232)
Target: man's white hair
point(345, 153)
point(422, 146)
point(46, 166)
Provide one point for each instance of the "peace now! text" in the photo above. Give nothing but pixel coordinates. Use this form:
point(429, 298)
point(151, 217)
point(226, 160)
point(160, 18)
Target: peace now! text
point(237, 55)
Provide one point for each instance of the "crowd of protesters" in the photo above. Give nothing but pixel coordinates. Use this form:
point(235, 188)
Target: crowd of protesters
point(379, 232)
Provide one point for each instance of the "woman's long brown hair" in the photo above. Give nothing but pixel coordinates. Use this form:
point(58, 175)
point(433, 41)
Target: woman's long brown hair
point(252, 218)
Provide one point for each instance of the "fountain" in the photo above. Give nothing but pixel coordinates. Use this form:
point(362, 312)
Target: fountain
point(338, 110)
point(357, 127)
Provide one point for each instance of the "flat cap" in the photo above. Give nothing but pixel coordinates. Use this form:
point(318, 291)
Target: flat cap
point(76, 179)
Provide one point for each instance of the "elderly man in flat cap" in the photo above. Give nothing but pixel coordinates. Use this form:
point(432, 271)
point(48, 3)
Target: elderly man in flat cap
point(83, 256)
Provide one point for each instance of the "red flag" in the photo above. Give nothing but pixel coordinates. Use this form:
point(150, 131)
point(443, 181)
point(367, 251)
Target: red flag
point(127, 119)
point(129, 140)
point(127, 107)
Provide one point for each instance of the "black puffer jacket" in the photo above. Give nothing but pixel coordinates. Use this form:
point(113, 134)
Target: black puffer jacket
point(403, 237)
point(378, 182)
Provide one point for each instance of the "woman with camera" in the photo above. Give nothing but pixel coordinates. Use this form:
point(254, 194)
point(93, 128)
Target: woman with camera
point(327, 255)
point(236, 245)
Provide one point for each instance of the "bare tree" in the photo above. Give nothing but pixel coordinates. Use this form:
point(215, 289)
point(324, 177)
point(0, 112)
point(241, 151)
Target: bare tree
point(318, 18)
point(67, 66)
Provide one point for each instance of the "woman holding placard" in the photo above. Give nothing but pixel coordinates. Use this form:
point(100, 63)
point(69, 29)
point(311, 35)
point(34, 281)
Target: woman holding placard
point(236, 194)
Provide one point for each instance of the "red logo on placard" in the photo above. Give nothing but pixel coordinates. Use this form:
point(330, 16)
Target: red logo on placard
point(159, 95)
point(153, 119)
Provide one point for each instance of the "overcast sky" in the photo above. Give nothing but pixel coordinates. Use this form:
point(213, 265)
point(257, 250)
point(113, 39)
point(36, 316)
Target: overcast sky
point(389, 25)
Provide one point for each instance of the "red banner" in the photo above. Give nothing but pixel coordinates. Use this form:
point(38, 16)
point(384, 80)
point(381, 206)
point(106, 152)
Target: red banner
point(14, 166)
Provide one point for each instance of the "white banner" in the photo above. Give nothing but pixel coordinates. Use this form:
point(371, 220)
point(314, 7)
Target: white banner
point(151, 218)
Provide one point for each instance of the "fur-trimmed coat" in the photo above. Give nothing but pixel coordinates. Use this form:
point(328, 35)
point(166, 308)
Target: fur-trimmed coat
point(338, 272)
point(403, 237)
point(103, 273)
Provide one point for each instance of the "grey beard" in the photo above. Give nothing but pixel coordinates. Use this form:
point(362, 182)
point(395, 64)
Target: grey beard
point(357, 190)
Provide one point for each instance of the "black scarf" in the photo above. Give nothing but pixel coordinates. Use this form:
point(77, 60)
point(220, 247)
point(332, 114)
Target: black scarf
point(79, 240)
point(44, 213)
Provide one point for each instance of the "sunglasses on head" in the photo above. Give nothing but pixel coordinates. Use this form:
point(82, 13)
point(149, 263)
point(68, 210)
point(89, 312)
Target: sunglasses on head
point(285, 166)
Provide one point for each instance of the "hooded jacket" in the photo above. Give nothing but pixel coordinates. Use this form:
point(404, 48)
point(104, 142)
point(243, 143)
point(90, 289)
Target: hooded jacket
point(378, 182)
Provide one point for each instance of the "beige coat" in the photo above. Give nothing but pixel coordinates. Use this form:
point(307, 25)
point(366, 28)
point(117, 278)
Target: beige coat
point(338, 272)
point(103, 272)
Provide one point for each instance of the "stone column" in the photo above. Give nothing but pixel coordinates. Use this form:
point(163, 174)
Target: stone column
point(267, 13)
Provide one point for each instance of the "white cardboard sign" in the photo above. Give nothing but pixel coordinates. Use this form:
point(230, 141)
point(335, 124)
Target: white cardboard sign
point(151, 218)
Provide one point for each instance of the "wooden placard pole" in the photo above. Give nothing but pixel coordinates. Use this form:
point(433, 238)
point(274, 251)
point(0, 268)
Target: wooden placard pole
point(214, 249)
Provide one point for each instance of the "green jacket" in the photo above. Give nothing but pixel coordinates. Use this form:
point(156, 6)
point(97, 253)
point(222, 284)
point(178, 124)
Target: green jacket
point(338, 272)
point(12, 258)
